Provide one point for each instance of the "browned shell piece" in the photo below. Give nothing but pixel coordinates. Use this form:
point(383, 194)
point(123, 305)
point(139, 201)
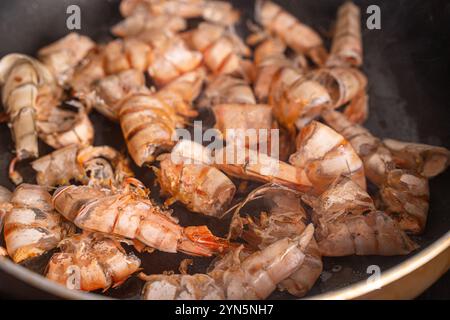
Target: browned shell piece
point(109, 91)
point(405, 196)
point(248, 164)
point(346, 49)
point(130, 214)
point(32, 226)
point(343, 84)
point(325, 155)
point(222, 50)
point(63, 55)
point(91, 261)
point(348, 223)
point(201, 187)
point(427, 160)
point(377, 158)
point(298, 36)
point(5, 205)
point(244, 124)
point(282, 215)
point(226, 89)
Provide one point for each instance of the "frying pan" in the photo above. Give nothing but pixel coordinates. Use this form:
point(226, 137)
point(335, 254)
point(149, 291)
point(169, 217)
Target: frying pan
point(407, 63)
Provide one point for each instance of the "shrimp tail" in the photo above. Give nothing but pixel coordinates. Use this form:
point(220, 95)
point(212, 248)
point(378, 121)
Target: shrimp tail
point(200, 241)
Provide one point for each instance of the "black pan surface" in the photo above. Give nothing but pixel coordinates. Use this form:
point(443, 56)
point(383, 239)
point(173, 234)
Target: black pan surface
point(407, 63)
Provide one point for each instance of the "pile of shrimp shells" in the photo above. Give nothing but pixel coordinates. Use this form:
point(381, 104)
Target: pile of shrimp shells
point(337, 271)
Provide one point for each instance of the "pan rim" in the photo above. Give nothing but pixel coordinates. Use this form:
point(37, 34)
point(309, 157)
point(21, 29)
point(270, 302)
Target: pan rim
point(391, 275)
point(353, 291)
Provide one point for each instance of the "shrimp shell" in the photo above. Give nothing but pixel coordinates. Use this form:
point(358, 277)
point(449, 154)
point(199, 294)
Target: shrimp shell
point(171, 59)
point(238, 275)
point(181, 287)
point(202, 188)
point(285, 218)
point(111, 90)
point(120, 55)
point(25, 82)
point(5, 205)
point(148, 125)
point(271, 47)
point(90, 262)
point(149, 122)
point(293, 96)
point(102, 166)
point(163, 54)
point(222, 50)
point(234, 118)
point(265, 75)
point(125, 213)
point(405, 196)
point(129, 7)
point(58, 167)
point(343, 84)
point(31, 100)
point(91, 69)
point(346, 49)
point(357, 111)
point(427, 160)
point(269, 61)
point(63, 55)
point(325, 155)
point(348, 223)
point(142, 23)
point(404, 193)
point(295, 101)
point(110, 73)
point(257, 275)
point(114, 58)
point(59, 128)
point(226, 89)
point(298, 36)
point(32, 227)
point(219, 12)
point(377, 158)
point(248, 164)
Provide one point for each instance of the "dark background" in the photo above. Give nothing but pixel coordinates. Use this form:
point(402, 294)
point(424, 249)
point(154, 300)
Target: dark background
point(407, 63)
